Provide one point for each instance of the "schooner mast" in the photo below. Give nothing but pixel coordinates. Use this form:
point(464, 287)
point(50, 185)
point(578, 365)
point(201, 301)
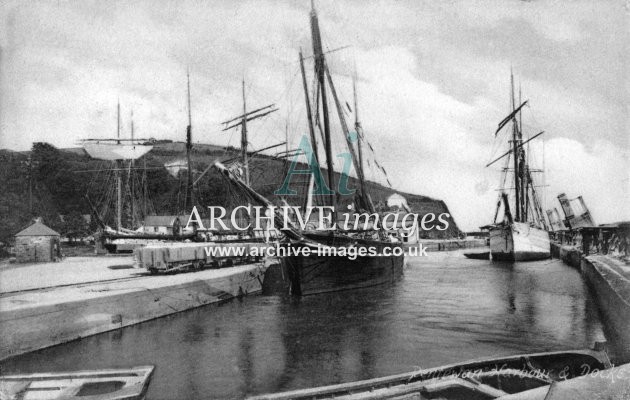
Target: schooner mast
point(357, 125)
point(118, 151)
point(242, 122)
point(359, 132)
point(323, 73)
point(188, 202)
point(244, 137)
point(516, 139)
point(131, 180)
point(118, 173)
point(311, 129)
point(320, 70)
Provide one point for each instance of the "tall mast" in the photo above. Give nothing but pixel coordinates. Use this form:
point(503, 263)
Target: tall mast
point(353, 155)
point(241, 121)
point(117, 173)
point(359, 131)
point(131, 178)
point(131, 123)
point(189, 184)
point(144, 187)
point(244, 138)
point(311, 129)
point(320, 65)
point(525, 174)
point(118, 122)
point(516, 153)
point(309, 113)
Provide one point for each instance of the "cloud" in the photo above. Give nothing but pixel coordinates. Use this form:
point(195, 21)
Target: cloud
point(601, 175)
point(433, 83)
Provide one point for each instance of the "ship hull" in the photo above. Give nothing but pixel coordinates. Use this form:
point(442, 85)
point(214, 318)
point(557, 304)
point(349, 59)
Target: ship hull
point(316, 274)
point(519, 242)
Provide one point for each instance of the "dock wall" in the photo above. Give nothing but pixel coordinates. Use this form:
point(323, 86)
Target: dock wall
point(33, 320)
point(611, 285)
point(609, 279)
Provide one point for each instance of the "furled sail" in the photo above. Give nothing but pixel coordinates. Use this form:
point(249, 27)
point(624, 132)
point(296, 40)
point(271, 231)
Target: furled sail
point(113, 151)
point(509, 117)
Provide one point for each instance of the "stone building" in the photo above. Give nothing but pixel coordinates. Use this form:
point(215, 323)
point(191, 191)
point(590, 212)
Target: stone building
point(37, 243)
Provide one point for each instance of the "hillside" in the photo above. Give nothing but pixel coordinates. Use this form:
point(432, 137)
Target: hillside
point(55, 182)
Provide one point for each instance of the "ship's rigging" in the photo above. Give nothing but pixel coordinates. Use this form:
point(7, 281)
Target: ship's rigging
point(526, 206)
point(130, 204)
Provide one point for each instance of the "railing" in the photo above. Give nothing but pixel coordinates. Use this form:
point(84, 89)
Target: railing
point(613, 239)
point(605, 240)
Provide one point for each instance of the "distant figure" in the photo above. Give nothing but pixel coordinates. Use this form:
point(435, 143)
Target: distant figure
point(56, 252)
point(586, 239)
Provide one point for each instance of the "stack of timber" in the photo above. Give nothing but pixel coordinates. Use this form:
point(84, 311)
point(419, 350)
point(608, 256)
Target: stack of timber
point(165, 257)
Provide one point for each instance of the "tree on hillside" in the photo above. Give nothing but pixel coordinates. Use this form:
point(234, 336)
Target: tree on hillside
point(75, 226)
point(56, 174)
point(14, 200)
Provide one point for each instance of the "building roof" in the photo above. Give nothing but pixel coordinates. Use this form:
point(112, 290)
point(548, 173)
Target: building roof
point(37, 229)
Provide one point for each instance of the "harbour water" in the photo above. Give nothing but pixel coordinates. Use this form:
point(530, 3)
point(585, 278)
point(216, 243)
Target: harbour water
point(445, 309)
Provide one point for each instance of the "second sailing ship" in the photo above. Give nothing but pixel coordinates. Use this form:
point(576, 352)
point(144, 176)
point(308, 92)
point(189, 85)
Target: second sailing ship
point(523, 234)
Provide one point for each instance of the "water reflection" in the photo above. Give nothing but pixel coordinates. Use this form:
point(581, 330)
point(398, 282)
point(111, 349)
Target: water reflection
point(445, 309)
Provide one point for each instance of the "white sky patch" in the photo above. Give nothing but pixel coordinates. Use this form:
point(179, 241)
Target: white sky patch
point(433, 83)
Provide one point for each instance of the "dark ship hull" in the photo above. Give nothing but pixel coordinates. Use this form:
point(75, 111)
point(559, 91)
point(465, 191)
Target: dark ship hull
point(315, 274)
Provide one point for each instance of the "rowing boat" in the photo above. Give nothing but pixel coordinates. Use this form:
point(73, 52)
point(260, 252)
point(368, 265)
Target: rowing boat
point(109, 384)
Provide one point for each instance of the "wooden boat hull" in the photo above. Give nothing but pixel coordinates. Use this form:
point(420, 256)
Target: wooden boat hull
point(519, 242)
point(301, 276)
point(478, 256)
point(612, 384)
point(484, 379)
point(112, 384)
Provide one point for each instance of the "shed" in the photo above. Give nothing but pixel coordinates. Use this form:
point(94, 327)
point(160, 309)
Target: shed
point(163, 224)
point(37, 243)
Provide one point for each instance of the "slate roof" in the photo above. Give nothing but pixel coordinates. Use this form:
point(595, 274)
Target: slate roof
point(160, 220)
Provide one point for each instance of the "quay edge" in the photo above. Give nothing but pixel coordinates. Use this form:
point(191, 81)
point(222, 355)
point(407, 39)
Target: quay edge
point(571, 255)
point(610, 280)
point(36, 319)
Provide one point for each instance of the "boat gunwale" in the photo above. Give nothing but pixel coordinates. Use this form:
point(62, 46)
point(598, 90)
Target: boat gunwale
point(135, 372)
point(413, 376)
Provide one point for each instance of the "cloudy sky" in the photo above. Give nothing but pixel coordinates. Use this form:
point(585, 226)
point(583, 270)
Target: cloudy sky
point(433, 82)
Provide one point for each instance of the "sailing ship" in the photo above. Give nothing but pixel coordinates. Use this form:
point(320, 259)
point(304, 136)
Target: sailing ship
point(314, 274)
point(523, 234)
point(130, 196)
